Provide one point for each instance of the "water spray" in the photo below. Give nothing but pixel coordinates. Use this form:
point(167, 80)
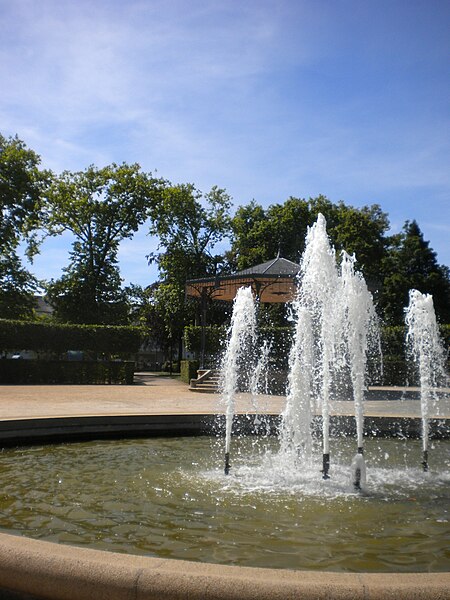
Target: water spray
point(296, 418)
point(318, 291)
point(425, 460)
point(427, 353)
point(425, 436)
point(360, 324)
point(242, 335)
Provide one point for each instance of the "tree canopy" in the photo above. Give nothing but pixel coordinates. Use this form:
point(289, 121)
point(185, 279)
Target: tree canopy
point(100, 207)
point(410, 263)
point(189, 224)
point(197, 235)
point(258, 234)
point(22, 189)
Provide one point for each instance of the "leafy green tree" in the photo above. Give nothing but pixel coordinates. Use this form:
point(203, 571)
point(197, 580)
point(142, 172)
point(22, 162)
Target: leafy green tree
point(411, 264)
point(362, 231)
point(189, 225)
point(17, 287)
point(100, 207)
point(155, 309)
point(259, 234)
point(249, 227)
point(22, 188)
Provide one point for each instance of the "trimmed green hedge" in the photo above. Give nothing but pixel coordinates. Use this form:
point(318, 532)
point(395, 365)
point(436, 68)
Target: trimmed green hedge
point(188, 370)
point(396, 368)
point(73, 372)
point(393, 339)
point(215, 338)
point(18, 335)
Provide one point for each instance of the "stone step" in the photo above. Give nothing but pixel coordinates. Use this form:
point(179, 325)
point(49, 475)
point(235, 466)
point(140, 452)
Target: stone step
point(205, 389)
point(209, 385)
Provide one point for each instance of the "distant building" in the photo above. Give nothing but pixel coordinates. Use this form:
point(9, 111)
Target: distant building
point(42, 307)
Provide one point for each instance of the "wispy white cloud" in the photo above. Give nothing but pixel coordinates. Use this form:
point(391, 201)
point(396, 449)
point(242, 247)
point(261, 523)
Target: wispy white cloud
point(266, 98)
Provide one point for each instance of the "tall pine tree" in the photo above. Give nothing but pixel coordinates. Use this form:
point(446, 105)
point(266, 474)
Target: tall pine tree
point(411, 264)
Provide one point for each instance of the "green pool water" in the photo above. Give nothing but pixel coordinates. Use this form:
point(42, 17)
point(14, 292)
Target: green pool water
point(168, 497)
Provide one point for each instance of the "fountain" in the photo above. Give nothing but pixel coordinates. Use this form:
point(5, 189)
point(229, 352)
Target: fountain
point(318, 292)
point(359, 324)
point(335, 328)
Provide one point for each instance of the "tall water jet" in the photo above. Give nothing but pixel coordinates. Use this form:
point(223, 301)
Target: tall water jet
point(427, 352)
point(319, 284)
point(295, 432)
point(241, 341)
point(259, 381)
point(334, 316)
point(259, 378)
point(359, 318)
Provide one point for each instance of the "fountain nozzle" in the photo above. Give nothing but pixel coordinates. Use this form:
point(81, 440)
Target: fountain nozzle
point(359, 469)
point(325, 466)
point(358, 472)
point(425, 460)
point(227, 463)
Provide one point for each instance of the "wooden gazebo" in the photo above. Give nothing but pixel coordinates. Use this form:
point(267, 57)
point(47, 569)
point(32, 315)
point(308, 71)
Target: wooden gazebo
point(272, 281)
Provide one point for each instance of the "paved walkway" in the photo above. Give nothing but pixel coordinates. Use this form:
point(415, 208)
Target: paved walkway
point(154, 395)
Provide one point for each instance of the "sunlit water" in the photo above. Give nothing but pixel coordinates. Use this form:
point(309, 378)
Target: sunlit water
point(169, 498)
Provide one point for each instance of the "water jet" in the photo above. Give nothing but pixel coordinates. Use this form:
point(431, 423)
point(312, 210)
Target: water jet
point(335, 321)
point(427, 353)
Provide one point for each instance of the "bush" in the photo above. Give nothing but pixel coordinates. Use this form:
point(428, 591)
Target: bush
point(17, 335)
point(188, 370)
point(215, 337)
point(73, 372)
point(395, 369)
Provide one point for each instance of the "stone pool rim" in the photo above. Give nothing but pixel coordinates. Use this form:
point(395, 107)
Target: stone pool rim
point(34, 569)
point(65, 429)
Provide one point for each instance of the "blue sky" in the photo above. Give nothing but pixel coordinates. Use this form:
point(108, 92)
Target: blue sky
point(265, 98)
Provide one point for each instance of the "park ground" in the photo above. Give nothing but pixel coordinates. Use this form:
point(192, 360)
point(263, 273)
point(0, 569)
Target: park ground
point(153, 394)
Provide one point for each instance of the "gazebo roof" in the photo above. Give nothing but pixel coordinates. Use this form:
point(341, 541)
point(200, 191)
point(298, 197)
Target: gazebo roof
point(271, 281)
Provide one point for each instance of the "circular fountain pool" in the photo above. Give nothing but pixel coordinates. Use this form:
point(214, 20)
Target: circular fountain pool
point(169, 498)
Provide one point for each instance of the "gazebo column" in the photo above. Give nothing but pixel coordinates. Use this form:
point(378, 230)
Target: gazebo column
point(203, 327)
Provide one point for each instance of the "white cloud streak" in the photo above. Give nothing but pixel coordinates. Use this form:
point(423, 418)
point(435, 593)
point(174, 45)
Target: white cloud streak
point(266, 98)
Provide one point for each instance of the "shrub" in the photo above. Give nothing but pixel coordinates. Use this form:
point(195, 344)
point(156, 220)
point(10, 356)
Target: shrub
point(215, 337)
point(16, 335)
point(72, 372)
point(188, 370)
